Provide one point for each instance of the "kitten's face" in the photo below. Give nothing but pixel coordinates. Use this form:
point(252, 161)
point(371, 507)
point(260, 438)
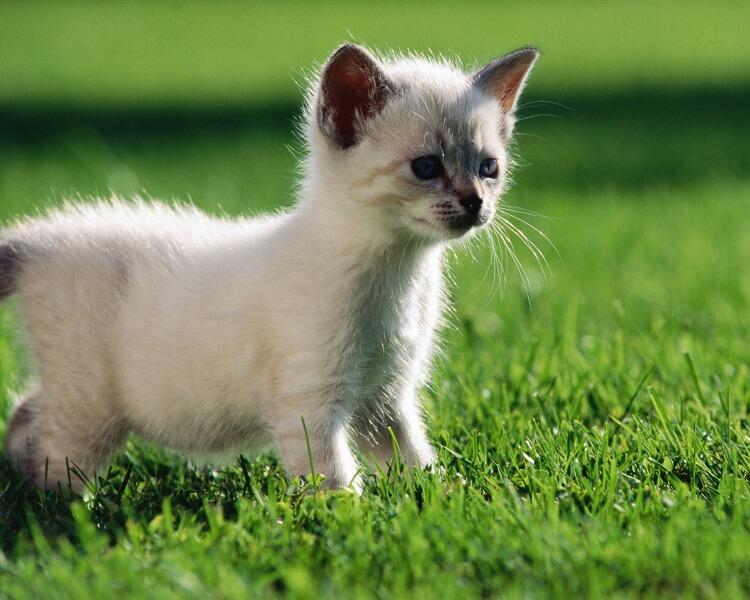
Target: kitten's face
point(449, 162)
point(421, 142)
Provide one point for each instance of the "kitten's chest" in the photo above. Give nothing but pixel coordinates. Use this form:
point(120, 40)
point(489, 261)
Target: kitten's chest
point(388, 334)
point(393, 338)
point(385, 357)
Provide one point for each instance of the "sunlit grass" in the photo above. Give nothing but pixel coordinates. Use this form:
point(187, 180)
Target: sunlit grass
point(592, 422)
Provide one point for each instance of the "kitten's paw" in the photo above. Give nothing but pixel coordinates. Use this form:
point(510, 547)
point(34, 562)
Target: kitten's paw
point(355, 485)
point(427, 459)
point(321, 482)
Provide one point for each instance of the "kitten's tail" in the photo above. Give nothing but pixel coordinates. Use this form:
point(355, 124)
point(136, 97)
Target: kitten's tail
point(10, 265)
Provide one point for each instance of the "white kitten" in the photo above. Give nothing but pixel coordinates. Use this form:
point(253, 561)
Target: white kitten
point(214, 336)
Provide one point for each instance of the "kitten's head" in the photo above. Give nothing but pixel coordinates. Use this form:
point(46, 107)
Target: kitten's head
point(420, 143)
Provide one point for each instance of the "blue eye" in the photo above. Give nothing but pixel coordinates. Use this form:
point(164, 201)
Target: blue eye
point(427, 167)
point(488, 168)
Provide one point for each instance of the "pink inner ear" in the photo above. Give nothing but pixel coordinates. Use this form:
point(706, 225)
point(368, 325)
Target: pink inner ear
point(510, 88)
point(504, 78)
point(352, 84)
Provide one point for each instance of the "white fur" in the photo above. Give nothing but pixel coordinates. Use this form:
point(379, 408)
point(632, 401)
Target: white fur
point(214, 336)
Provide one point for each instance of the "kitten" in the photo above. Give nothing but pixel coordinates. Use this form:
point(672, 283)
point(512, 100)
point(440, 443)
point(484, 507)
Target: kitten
point(214, 336)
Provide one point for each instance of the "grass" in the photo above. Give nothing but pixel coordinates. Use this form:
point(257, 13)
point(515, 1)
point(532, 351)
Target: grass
point(134, 52)
point(594, 427)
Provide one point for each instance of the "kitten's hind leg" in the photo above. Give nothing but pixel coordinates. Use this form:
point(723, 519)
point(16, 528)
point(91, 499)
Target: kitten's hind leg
point(19, 433)
point(51, 446)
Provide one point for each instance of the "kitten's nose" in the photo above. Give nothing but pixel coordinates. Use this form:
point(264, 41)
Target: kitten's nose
point(472, 203)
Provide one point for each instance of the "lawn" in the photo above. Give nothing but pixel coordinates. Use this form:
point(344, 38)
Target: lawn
point(592, 414)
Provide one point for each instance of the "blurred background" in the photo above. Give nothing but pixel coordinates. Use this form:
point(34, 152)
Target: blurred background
point(632, 146)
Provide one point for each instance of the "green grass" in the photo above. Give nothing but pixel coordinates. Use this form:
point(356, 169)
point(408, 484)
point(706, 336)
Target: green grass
point(230, 52)
point(594, 435)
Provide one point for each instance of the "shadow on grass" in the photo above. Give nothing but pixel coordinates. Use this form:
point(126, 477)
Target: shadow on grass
point(628, 141)
point(134, 488)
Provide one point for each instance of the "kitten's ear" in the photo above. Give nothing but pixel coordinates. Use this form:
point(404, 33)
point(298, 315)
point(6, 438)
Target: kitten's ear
point(504, 78)
point(353, 87)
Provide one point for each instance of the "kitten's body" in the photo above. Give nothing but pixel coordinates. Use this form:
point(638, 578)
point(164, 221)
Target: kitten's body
point(213, 336)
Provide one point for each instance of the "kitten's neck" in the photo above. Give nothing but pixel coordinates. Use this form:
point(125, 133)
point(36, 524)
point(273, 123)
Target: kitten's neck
point(354, 220)
point(350, 229)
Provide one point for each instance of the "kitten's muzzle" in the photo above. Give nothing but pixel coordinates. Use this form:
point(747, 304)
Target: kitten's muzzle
point(472, 204)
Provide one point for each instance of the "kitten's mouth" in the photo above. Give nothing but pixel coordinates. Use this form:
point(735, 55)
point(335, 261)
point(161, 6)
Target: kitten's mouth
point(466, 221)
point(453, 226)
point(463, 223)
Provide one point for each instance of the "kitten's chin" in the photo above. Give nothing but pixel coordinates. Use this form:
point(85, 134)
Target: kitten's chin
point(442, 231)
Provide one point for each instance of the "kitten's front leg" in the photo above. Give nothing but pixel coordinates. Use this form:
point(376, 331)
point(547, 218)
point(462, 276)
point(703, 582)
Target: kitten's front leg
point(406, 421)
point(411, 433)
point(327, 436)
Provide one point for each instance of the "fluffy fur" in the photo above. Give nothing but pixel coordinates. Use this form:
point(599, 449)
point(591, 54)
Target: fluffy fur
point(214, 336)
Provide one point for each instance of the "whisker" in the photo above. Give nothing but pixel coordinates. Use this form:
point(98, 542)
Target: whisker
point(519, 119)
point(498, 267)
point(536, 230)
point(551, 102)
point(486, 272)
point(519, 267)
point(525, 211)
point(533, 248)
point(534, 135)
point(502, 258)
